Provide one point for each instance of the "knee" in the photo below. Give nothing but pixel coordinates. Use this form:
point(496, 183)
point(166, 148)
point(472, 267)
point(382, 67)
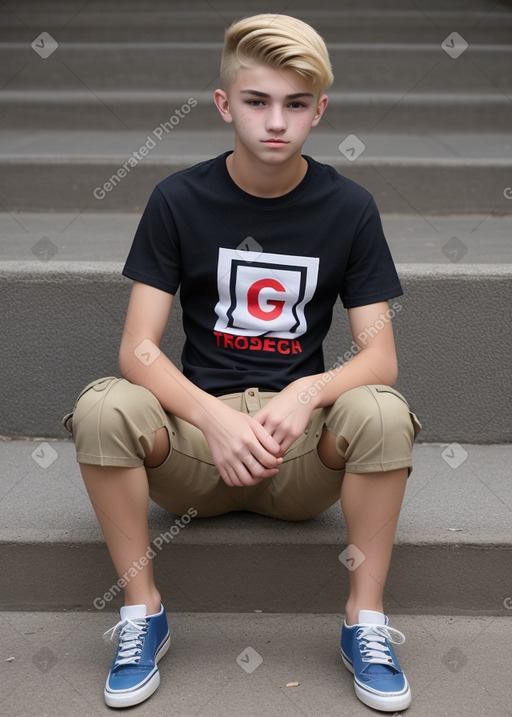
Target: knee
point(115, 422)
point(114, 411)
point(379, 409)
point(390, 408)
point(97, 406)
point(375, 429)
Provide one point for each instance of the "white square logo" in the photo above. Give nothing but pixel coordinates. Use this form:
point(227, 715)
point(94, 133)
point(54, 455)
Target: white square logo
point(264, 294)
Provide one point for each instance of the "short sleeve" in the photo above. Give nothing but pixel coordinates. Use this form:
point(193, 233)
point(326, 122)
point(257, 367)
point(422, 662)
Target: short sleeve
point(370, 272)
point(154, 257)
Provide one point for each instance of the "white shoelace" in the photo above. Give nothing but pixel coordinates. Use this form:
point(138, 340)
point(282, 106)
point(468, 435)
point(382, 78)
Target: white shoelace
point(372, 639)
point(131, 634)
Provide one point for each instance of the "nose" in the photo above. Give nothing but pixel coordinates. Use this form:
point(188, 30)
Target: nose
point(276, 121)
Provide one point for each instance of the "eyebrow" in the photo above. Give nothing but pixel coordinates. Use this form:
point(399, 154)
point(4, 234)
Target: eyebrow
point(296, 95)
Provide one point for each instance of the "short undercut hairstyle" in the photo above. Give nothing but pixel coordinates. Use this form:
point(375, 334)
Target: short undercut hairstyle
point(277, 41)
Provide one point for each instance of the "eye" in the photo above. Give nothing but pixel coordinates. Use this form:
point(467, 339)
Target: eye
point(255, 103)
point(297, 105)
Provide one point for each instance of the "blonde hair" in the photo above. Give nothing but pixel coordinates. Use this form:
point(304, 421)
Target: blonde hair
point(280, 42)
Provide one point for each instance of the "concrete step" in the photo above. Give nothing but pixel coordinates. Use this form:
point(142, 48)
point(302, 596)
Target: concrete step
point(450, 327)
point(74, 9)
point(194, 66)
point(208, 671)
point(452, 556)
point(490, 24)
point(389, 112)
point(104, 236)
point(116, 171)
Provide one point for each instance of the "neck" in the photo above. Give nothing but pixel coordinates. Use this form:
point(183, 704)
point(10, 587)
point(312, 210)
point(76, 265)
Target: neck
point(265, 180)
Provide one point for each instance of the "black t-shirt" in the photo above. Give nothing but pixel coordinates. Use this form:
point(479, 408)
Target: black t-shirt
point(259, 277)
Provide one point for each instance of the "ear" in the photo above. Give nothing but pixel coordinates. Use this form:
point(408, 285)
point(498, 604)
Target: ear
point(222, 103)
point(323, 101)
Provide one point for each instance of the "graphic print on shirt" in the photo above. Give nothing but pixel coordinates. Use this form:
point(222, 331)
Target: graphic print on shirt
point(263, 294)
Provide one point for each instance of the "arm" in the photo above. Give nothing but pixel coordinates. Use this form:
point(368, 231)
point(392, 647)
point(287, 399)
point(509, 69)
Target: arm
point(242, 449)
point(286, 416)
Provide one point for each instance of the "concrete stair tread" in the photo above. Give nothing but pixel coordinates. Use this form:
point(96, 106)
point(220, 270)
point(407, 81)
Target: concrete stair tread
point(94, 236)
point(62, 657)
point(434, 510)
point(103, 147)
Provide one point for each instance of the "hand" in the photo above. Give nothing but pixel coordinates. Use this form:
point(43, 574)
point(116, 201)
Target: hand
point(284, 417)
point(241, 447)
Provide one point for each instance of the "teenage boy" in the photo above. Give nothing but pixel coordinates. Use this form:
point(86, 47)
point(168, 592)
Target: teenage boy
point(261, 240)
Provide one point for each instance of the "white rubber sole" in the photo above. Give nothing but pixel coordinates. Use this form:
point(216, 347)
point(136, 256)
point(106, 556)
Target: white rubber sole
point(392, 702)
point(129, 698)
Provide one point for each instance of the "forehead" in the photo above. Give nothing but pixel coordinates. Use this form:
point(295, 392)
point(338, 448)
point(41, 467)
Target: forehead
point(278, 83)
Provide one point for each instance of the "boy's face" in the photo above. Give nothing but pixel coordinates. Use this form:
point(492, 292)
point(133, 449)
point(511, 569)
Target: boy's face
point(272, 111)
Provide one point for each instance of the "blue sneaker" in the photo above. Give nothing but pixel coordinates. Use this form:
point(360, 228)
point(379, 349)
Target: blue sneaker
point(143, 640)
point(366, 651)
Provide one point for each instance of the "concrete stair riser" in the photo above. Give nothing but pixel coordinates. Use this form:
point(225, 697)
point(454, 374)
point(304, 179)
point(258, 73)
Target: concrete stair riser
point(425, 186)
point(348, 112)
point(334, 24)
point(73, 314)
point(298, 578)
point(371, 67)
point(428, 7)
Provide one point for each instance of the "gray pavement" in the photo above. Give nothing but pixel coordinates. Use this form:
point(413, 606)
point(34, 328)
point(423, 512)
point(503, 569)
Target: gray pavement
point(55, 665)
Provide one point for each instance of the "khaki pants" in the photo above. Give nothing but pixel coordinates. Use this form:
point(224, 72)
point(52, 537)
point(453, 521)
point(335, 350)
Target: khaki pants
point(114, 422)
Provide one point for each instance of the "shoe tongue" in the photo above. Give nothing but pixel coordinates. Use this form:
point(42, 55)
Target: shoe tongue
point(130, 612)
point(371, 617)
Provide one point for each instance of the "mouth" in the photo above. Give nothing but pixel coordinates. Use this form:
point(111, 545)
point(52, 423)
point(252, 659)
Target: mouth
point(274, 141)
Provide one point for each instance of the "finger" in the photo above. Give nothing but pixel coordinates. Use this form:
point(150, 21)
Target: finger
point(286, 442)
point(239, 476)
point(271, 447)
point(257, 470)
point(229, 477)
